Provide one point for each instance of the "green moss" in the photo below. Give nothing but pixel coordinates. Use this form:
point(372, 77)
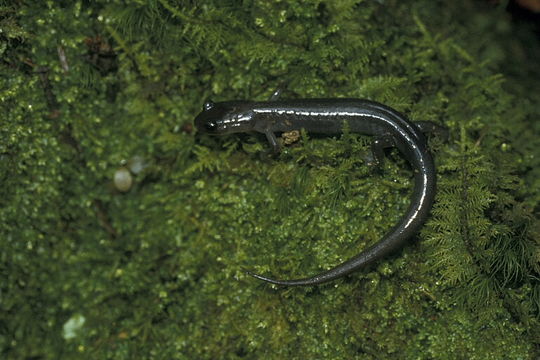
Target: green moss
point(158, 271)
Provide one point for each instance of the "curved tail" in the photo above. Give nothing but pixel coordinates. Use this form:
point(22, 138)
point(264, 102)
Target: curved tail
point(422, 199)
point(379, 250)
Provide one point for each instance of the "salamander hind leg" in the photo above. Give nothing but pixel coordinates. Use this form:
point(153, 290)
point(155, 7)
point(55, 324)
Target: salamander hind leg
point(375, 159)
point(430, 128)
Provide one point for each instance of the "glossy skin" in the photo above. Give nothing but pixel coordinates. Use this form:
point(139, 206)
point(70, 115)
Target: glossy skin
point(327, 116)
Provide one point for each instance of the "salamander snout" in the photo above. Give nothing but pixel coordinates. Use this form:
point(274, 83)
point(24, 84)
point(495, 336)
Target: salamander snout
point(208, 120)
point(225, 117)
point(203, 124)
point(210, 126)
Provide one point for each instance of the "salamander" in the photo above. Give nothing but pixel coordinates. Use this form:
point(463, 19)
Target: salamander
point(328, 116)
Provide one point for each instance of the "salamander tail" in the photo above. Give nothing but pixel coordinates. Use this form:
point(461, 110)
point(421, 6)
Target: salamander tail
point(297, 282)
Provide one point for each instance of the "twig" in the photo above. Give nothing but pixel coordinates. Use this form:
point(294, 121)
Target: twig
point(63, 59)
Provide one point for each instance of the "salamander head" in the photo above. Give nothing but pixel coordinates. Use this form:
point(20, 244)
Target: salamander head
point(225, 117)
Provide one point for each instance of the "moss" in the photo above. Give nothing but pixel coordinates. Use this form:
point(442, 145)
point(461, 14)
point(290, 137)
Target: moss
point(158, 271)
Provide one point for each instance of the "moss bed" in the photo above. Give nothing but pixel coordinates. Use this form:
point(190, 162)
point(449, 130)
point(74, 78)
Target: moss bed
point(90, 88)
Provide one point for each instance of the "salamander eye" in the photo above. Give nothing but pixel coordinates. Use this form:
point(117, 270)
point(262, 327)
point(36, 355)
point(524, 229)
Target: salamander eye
point(210, 126)
point(208, 104)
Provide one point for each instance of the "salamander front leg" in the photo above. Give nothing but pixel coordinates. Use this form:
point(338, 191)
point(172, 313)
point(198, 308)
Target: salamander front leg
point(276, 147)
point(376, 158)
point(275, 95)
point(430, 128)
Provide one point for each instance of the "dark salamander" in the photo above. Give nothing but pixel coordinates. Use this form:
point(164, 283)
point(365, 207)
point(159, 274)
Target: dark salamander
point(327, 116)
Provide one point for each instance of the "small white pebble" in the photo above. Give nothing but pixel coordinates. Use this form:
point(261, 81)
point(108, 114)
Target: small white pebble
point(123, 179)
